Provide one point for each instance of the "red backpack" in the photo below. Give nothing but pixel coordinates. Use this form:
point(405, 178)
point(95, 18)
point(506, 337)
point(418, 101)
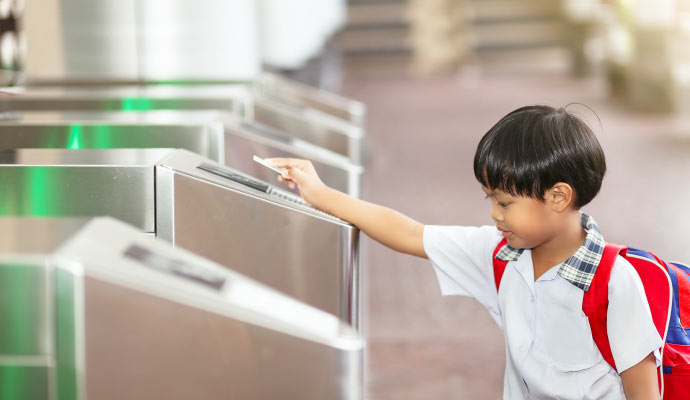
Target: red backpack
point(667, 287)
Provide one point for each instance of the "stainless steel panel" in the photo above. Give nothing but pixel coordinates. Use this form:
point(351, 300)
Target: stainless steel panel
point(26, 337)
point(232, 97)
point(123, 316)
point(98, 39)
point(28, 341)
point(36, 235)
point(242, 140)
point(25, 312)
point(160, 322)
point(204, 139)
point(331, 103)
point(141, 40)
point(24, 382)
point(288, 246)
point(80, 183)
point(310, 125)
point(301, 122)
point(247, 138)
point(27, 306)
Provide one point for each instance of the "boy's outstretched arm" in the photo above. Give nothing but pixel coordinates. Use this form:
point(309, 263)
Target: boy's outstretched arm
point(640, 380)
point(389, 227)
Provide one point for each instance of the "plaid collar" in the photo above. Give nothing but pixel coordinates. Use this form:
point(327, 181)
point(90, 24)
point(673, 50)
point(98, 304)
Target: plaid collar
point(580, 267)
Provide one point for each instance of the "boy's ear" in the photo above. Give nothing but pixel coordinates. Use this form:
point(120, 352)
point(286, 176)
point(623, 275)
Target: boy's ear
point(561, 196)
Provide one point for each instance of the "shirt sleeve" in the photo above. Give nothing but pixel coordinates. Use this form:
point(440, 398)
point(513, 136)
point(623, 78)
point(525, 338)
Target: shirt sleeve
point(461, 257)
point(631, 330)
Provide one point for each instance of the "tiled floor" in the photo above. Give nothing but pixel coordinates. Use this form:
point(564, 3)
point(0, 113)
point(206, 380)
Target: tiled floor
point(422, 134)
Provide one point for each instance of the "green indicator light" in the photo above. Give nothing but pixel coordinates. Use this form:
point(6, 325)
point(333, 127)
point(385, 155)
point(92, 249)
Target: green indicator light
point(128, 104)
point(103, 139)
point(74, 138)
point(39, 201)
point(27, 191)
point(136, 104)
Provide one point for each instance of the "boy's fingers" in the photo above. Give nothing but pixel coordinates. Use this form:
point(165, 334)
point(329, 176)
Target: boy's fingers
point(296, 174)
point(287, 162)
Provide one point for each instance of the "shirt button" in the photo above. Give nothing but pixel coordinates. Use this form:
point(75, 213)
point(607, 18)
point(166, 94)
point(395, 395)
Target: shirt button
point(531, 298)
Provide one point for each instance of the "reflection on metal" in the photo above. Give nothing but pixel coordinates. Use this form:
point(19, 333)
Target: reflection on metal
point(205, 139)
point(26, 235)
point(330, 103)
point(260, 231)
point(111, 314)
point(229, 97)
point(311, 256)
point(80, 183)
point(310, 125)
point(243, 139)
point(131, 40)
point(296, 120)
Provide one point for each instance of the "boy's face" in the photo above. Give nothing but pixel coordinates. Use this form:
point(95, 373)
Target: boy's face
point(525, 222)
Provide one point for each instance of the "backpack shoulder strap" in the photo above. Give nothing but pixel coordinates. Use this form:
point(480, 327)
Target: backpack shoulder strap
point(595, 301)
point(499, 265)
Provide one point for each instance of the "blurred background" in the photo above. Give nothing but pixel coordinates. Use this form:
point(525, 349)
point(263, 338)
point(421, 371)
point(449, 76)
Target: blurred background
point(434, 76)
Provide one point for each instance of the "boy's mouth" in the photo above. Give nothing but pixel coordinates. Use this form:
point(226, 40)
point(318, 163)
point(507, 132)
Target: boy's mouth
point(504, 232)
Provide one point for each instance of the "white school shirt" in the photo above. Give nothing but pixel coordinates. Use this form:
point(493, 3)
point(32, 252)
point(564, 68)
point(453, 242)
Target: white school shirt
point(550, 352)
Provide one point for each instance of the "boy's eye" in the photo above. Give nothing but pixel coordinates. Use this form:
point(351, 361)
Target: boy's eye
point(503, 204)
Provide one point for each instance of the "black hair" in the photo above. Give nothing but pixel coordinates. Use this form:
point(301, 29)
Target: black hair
point(534, 147)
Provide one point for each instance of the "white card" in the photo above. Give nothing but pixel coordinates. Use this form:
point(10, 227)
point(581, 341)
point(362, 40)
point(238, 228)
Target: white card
point(267, 165)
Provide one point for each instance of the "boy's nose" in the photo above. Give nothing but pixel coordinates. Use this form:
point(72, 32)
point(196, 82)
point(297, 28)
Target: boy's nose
point(495, 213)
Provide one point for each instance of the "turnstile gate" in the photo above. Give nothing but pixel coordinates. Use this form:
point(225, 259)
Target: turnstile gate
point(296, 120)
point(219, 213)
point(265, 233)
point(331, 103)
point(112, 314)
point(176, 129)
point(244, 138)
point(80, 183)
point(306, 123)
point(206, 139)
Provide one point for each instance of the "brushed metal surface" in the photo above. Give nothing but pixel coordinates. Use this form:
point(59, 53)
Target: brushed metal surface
point(26, 316)
point(140, 346)
point(331, 103)
point(232, 97)
point(80, 183)
point(141, 40)
point(25, 235)
point(91, 320)
point(152, 330)
point(297, 121)
point(25, 311)
point(204, 139)
point(292, 248)
point(245, 139)
point(308, 124)
point(242, 140)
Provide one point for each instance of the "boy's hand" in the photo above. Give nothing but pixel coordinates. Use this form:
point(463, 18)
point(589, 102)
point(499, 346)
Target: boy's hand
point(384, 225)
point(300, 173)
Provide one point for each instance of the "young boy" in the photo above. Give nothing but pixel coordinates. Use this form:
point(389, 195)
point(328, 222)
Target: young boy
point(539, 165)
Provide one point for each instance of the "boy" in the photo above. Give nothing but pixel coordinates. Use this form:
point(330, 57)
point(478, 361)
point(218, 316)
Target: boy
point(538, 165)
